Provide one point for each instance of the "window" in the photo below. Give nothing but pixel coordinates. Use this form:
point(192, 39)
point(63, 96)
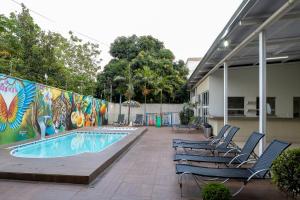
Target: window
point(296, 107)
point(236, 106)
point(270, 107)
point(204, 105)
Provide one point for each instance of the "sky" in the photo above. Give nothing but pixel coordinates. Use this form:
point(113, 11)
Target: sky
point(188, 28)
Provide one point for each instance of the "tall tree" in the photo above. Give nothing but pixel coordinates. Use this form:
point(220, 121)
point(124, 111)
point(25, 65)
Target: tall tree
point(140, 52)
point(129, 92)
point(145, 77)
point(28, 52)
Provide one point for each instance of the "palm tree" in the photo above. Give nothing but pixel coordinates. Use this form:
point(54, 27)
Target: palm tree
point(163, 83)
point(145, 76)
point(121, 89)
point(168, 84)
point(129, 93)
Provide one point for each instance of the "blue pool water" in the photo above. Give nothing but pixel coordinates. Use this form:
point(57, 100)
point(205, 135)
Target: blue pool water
point(68, 145)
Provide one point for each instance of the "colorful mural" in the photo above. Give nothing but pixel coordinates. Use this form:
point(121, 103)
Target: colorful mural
point(23, 103)
point(57, 105)
point(16, 118)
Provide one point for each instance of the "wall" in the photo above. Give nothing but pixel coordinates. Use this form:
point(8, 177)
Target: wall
point(113, 110)
point(277, 128)
point(23, 102)
point(202, 87)
point(282, 82)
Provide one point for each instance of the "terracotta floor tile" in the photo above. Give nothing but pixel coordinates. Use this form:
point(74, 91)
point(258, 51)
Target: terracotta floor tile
point(145, 172)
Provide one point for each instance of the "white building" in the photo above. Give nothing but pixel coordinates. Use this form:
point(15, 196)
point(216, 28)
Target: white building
point(254, 63)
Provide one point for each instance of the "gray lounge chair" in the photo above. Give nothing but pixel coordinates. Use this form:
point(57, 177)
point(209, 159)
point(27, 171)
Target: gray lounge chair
point(238, 159)
point(138, 120)
point(120, 121)
point(258, 171)
point(211, 139)
point(222, 144)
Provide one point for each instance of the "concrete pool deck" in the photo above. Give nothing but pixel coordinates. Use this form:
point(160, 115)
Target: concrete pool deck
point(79, 169)
point(145, 172)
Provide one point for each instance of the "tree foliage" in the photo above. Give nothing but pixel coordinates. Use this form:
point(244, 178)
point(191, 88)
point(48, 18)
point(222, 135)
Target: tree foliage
point(154, 70)
point(28, 52)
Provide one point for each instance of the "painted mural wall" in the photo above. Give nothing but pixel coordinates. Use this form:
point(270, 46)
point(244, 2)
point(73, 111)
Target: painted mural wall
point(23, 104)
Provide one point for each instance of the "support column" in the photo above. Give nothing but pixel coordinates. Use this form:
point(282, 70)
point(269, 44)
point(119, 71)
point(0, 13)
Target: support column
point(262, 90)
point(225, 93)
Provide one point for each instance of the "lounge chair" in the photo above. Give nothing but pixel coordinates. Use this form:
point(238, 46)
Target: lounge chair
point(192, 125)
point(211, 139)
point(238, 159)
point(120, 121)
point(138, 120)
point(222, 144)
point(258, 171)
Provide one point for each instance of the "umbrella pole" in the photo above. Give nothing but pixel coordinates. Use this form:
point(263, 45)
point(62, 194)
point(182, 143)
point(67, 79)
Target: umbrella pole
point(120, 104)
point(129, 105)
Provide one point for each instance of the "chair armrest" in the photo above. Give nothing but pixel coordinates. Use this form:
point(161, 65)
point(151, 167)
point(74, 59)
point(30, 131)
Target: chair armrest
point(230, 150)
point(236, 158)
point(220, 142)
point(258, 171)
point(214, 141)
point(246, 161)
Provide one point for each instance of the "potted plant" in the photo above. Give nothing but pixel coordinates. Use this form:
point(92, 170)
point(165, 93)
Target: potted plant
point(215, 191)
point(286, 172)
point(187, 114)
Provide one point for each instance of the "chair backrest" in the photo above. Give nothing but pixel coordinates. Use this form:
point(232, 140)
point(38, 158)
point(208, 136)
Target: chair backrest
point(250, 145)
point(139, 118)
point(229, 136)
point(269, 155)
point(222, 131)
point(121, 118)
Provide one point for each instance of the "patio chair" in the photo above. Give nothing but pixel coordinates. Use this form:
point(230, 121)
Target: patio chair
point(120, 121)
point(138, 120)
point(243, 155)
point(192, 125)
point(258, 171)
point(222, 144)
point(210, 140)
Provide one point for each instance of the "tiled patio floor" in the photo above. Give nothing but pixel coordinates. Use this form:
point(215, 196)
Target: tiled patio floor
point(145, 172)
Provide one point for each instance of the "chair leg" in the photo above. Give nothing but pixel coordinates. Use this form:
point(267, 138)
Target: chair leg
point(180, 181)
point(227, 179)
point(197, 181)
point(239, 190)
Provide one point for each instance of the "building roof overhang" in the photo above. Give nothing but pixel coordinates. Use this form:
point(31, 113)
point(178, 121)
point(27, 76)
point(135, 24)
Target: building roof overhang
point(240, 34)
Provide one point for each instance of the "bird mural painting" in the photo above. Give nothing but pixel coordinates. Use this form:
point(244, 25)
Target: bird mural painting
point(12, 116)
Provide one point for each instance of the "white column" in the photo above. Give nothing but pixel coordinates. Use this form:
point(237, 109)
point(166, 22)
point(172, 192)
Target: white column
point(225, 93)
point(262, 90)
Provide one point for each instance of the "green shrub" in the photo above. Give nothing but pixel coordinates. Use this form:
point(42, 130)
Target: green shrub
point(215, 191)
point(286, 172)
point(187, 113)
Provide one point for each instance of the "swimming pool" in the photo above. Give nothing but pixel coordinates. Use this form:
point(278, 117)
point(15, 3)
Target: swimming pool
point(68, 145)
point(118, 128)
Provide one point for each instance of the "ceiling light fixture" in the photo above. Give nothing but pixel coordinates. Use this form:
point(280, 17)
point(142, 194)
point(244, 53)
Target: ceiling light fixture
point(226, 43)
point(278, 58)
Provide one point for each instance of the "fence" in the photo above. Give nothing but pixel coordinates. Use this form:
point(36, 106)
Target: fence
point(170, 112)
